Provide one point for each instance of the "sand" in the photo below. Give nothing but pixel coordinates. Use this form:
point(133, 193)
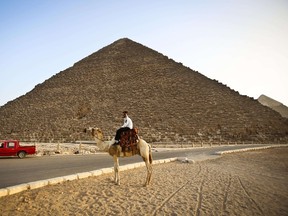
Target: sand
point(248, 183)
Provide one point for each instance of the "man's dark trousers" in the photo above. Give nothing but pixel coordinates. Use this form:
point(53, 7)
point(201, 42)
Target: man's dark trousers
point(119, 131)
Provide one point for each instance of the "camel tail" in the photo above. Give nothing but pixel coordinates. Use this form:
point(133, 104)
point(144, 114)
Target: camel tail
point(150, 155)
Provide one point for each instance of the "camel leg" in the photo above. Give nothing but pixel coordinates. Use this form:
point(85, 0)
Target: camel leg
point(146, 154)
point(149, 171)
point(149, 168)
point(116, 170)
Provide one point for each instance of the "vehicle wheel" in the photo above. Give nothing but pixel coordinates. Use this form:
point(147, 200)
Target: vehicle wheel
point(21, 154)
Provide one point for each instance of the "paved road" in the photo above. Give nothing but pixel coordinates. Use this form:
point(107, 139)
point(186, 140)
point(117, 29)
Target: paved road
point(15, 171)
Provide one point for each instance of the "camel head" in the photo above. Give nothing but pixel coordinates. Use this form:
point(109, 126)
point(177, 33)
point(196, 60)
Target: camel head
point(95, 132)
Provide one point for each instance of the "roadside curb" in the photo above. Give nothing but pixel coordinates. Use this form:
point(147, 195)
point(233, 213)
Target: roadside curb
point(57, 180)
point(249, 149)
point(52, 181)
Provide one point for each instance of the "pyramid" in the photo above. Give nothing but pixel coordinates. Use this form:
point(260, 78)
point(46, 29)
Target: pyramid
point(167, 101)
point(273, 104)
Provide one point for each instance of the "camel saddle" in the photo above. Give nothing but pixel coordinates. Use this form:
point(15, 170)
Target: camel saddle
point(129, 140)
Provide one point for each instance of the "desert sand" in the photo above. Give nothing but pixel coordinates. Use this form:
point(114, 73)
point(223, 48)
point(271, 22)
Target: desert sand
point(248, 183)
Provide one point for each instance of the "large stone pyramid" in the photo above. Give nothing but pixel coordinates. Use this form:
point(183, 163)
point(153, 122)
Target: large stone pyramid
point(167, 101)
point(273, 104)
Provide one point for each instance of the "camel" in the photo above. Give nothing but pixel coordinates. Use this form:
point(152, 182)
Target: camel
point(143, 149)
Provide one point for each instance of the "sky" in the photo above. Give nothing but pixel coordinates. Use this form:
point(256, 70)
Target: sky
point(241, 43)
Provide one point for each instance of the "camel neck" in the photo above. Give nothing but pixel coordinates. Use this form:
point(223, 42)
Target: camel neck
point(102, 145)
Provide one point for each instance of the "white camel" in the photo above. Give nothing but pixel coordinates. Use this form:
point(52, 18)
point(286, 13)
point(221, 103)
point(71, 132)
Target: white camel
point(143, 149)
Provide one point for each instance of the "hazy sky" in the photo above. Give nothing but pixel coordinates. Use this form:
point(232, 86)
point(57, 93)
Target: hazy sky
point(241, 43)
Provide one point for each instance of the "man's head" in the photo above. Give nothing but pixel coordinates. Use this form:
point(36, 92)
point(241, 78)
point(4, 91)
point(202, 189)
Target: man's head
point(125, 113)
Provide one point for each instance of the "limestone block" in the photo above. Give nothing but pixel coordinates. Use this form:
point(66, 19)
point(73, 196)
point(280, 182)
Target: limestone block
point(107, 170)
point(84, 175)
point(37, 184)
point(17, 188)
point(56, 180)
point(70, 177)
point(3, 192)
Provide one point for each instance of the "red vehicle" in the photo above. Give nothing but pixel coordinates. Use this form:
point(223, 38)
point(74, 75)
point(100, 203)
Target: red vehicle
point(13, 148)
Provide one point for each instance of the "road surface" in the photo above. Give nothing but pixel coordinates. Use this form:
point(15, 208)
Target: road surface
point(14, 171)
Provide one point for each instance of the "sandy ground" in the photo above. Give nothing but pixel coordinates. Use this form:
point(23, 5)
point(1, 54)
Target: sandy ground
point(248, 183)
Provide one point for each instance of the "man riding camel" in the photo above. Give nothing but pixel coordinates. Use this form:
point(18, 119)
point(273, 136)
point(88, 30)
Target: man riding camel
point(127, 125)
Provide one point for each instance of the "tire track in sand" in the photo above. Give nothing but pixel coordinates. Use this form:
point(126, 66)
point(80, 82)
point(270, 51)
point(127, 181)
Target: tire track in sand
point(200, 192)
point(174, 193)
point(249, 197)
point(224, 204)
